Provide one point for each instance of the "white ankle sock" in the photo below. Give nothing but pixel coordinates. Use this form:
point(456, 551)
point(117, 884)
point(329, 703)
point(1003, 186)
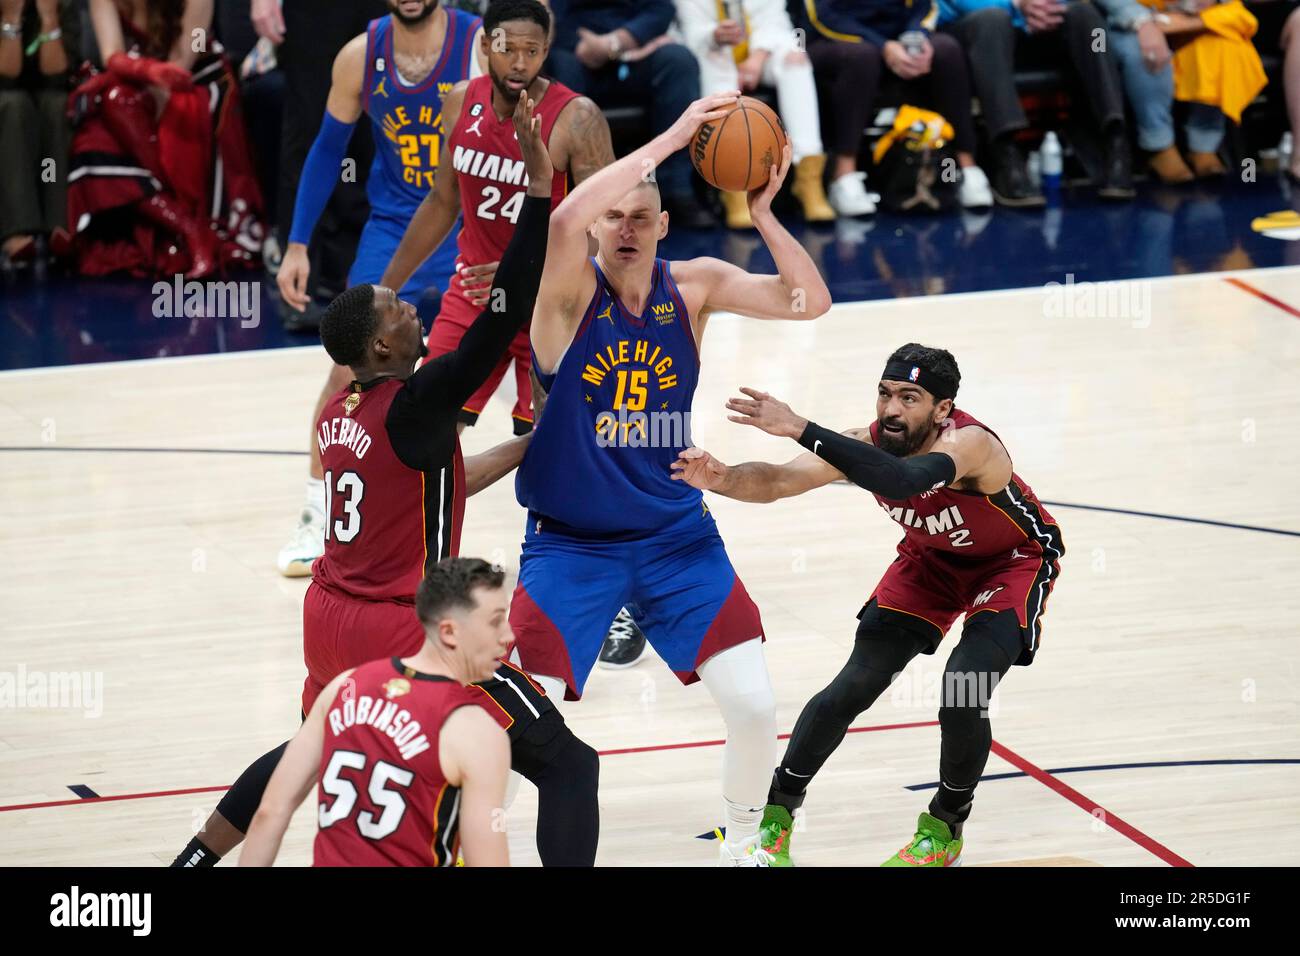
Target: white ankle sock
point(316, 496)
point(742, 824)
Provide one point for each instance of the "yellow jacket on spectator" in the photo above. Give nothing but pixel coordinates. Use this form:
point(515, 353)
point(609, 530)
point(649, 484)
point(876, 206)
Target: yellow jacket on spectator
point(1219, 67)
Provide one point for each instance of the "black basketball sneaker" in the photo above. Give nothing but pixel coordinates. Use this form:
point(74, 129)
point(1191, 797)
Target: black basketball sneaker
point(624, 645)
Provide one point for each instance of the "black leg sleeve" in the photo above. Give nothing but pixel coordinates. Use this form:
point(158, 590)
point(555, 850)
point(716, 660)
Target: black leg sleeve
point(568, 816)
point(241, 800)
point(882, 648)
point(989, 645)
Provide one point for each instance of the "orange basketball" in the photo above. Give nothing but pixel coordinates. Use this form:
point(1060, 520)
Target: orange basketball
point(736, 152)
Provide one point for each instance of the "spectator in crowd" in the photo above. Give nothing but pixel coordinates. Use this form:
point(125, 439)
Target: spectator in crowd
point(1213, 68)
point(161, 178)
point(38, 46)
point(993, 32)
point(848, 42)
point(308, 35)
point(761, 48)
point(618, 53)
point(1290, 43)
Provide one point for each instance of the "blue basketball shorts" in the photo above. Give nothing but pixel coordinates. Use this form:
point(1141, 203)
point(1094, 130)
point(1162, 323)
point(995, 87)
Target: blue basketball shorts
point(677, 583)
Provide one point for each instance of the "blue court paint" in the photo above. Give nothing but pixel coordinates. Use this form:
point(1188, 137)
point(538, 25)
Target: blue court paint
point(71, 320)
point(1126, 766)
point(81, 790)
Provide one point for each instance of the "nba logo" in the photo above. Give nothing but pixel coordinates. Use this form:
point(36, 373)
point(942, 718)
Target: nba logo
point(913, 375)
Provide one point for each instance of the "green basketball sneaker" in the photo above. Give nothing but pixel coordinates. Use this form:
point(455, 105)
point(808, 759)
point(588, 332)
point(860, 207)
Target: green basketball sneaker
point(933, 845)
point(774, 835)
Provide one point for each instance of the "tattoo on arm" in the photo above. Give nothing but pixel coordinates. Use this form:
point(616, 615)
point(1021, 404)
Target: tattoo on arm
point(590, 148)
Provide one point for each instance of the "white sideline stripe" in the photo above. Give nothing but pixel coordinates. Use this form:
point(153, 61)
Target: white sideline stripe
point(919, 300)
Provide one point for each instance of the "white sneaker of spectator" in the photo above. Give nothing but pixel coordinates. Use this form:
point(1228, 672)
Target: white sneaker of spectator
point(975, 192)
point(849, 196)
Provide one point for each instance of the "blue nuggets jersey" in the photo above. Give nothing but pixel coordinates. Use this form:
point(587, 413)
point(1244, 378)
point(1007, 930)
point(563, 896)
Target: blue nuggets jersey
point(617, 413)
point(408, 119)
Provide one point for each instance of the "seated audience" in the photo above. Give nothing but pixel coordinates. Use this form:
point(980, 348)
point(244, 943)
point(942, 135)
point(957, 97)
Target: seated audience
point(618, 53)
point(849, 41)
point(993, 32)
point(38, 46)
point(762, 49)
point(1202, 58)
point(158, 141)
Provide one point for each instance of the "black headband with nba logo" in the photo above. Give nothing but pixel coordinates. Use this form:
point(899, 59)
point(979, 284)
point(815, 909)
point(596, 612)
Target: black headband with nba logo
point(940, 386)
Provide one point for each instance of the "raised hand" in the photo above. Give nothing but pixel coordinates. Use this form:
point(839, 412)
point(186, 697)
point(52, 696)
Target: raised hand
point(766, 414)
point(760, 199)
point(707, 109)
point(537, 161)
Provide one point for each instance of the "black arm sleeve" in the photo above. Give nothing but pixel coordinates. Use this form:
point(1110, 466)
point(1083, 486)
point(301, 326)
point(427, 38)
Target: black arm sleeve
point(868, 467)
point(432, 396)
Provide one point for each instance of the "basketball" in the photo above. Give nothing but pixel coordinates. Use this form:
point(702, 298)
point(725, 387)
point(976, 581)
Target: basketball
point(736, 152)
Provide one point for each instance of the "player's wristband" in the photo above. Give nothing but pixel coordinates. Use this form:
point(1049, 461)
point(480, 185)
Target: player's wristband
point(878, 471)
point(320, 173)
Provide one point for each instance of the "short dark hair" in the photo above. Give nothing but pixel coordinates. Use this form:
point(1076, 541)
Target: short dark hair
point(938, 362)
point(447, 586)
point(503, 11)
point(348, 325)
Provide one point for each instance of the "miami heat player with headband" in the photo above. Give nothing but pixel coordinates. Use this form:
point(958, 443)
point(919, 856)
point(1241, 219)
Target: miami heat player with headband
point(489, 181)
point(976, 541)
point(397, 73)
point(616, 342)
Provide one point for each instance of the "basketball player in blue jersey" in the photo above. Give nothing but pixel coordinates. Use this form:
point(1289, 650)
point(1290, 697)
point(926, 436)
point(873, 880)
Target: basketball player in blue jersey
point(616, 345)
point(397, 73)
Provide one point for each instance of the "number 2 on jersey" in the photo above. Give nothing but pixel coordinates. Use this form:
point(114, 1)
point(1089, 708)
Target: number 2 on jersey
point(509, 209)
point(346, 527)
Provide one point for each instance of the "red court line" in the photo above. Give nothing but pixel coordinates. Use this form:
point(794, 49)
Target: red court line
point(603, 753)
point(1079, 800)
point(719, 743)
point(1260, 294)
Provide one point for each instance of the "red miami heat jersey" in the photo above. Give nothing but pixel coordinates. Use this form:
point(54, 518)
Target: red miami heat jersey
point(383, 798)
point(490, 170)
point(385, 522)
point(973, 525)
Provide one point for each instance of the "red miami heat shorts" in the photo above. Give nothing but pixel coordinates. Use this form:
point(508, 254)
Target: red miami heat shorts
point(455, 316)
point(340, 632)
point(938, 588)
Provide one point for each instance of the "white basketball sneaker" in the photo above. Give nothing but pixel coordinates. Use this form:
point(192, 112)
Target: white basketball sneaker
point(752, 854)
point(306, 545)
point(849, 196)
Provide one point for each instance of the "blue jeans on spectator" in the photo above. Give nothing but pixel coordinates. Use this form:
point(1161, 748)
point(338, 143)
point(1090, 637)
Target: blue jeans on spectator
point(664, 83)
point(1152, 96)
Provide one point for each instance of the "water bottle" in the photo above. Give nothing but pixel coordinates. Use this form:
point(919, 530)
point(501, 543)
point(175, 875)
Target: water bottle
point(1284, 151)
point(1051, 164)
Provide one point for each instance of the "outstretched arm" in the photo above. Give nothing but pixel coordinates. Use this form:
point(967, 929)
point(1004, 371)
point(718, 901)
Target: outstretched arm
point(489, 467)
point(292, 780)
point(568, 279)
point(959, 453)
point(756, 481)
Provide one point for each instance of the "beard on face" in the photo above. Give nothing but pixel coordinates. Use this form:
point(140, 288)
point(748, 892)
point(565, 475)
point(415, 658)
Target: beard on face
point(898, 445)
point(395, 7)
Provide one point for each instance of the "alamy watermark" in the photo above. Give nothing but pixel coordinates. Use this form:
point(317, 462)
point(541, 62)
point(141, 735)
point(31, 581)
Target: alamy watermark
point(71, 690)
point(210, 300)
point(962, 689)
point(1099, 300)
point(627, 429)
